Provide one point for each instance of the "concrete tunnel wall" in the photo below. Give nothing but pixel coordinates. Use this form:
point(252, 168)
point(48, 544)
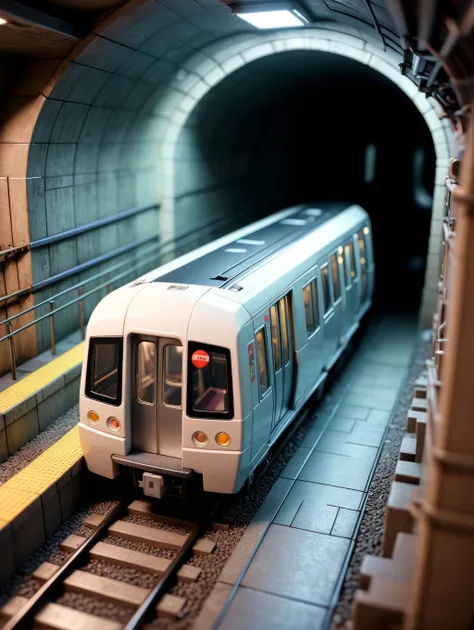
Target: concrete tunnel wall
point(223, 58)
point(100, 137)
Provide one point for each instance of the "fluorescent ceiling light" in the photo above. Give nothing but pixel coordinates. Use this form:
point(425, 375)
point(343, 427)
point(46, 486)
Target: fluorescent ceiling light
point(2, 21)
point(273, 19)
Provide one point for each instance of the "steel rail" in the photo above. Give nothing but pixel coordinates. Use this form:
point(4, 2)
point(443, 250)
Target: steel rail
point(50, 589)
point(147, 608)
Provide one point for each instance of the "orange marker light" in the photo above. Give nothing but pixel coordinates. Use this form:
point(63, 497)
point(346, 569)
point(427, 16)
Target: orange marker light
point(113, 424)
point(200, 438)
point(223, 439)
point(92, 416)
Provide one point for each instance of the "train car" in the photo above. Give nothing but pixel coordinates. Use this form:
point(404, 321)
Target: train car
point(196, 368)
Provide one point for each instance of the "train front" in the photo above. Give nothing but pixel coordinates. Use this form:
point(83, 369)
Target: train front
point(160, 389)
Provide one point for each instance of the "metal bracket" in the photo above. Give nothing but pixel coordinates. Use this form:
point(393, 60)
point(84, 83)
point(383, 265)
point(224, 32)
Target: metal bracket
point(12, 252)
point(464, 197)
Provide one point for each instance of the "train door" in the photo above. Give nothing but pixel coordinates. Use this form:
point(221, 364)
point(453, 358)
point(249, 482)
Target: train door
point(261, 382)
point(349, 277)
point(355, 272)
point(364, 264)
point(283, 356)
point(156, 400)
point(330, 334)
point(337, 293)
point(277, 363)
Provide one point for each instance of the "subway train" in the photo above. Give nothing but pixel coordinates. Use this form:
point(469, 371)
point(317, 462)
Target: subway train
point(195, 369)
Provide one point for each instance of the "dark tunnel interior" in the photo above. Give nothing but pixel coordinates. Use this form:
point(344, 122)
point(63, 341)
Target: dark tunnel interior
point(299, 127)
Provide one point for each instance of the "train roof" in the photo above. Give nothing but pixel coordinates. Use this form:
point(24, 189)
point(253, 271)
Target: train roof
point(222, 266)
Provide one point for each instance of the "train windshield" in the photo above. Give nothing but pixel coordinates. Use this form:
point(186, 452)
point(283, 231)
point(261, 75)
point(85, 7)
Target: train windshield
point(209, 382)
point(104, 370)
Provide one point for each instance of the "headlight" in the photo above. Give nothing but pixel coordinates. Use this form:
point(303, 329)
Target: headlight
point(113, 424)
point(223, 439)
point(200, 438)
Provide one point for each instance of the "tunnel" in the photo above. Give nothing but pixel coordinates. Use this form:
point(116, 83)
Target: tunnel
point(299, 127)
point(172, 123)
point(230, 398)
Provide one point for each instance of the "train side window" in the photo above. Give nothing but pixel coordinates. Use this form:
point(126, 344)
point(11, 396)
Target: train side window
point(326, 290)
point(353, 261)
point(283, 305)
point(348, 262)
point(275, 324)
point(363, 254)
point(315, 303)
point(308, 309)
point(104, 370)
point(336, 281)
point(262, 362)
point(311, 307)
point(209, 382)
point(172, 379)
point(363, 263)
point(146, 373)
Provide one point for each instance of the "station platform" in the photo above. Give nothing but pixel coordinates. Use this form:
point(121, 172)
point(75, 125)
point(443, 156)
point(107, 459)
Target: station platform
point(41, 495)
point(286, 572)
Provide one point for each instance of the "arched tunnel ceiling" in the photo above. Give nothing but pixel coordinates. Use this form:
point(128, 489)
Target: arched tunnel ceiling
point(52, 29)
point(92, 121)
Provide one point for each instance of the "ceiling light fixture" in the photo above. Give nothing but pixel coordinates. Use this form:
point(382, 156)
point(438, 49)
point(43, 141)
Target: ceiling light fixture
point(271, 15)
point(2, 21)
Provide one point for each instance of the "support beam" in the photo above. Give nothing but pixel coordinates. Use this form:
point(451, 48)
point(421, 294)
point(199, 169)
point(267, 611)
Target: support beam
point(45, 15)
point(444, 567)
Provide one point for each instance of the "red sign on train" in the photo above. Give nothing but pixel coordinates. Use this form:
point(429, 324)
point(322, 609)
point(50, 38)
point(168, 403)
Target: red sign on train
point(200, 359)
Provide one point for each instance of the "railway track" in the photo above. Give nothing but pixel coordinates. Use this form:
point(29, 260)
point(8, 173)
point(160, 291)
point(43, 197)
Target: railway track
point(43, 610)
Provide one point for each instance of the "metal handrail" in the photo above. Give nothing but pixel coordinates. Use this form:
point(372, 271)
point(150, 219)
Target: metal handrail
point(155, 251)
point(102, 273)
point(69, 289)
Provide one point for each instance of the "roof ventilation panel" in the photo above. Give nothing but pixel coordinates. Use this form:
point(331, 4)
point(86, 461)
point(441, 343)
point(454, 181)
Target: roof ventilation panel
point(294, 222)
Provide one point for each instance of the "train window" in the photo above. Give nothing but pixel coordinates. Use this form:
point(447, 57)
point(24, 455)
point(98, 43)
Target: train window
point(349, 272)
point(104, 370)
point(209, 382)
point(336, 281)
point(146, 373)
point(308, 309)
point(311, 307)
point(172, 371)
point(363, 264)
point(262, 361)
point(362, 246)
point(326, 290)
point(353, 261)
point(283, 305)
point(315, 303)
point(275, 323)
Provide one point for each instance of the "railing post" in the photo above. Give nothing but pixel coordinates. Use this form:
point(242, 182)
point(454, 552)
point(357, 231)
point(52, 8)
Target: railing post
point(81, 313)
point(51, 324)
point(11, 343)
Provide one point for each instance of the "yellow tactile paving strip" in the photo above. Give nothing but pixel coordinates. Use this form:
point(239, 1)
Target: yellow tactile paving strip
point(39, 378)
point(29, 484)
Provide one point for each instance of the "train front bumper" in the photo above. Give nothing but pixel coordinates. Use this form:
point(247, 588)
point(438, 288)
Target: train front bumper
point(98, 448)
point(222, 471)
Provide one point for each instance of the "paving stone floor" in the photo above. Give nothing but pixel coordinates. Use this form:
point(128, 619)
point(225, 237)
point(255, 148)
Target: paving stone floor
point(294, 578)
